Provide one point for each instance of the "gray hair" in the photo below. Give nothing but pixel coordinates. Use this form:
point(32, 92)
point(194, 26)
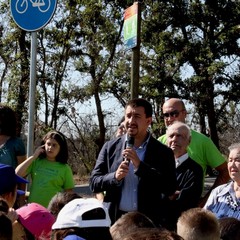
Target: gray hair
point(234, 146)
point(180, 125)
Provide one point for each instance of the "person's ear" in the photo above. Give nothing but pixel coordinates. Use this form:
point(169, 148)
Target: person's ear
point(10, 198)
point(149, 120)
point(184, 112)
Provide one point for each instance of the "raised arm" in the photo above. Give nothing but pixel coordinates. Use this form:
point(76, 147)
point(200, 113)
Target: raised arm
point(21, 169)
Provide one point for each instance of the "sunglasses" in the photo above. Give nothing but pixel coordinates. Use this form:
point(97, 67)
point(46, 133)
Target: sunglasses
point(174, 113)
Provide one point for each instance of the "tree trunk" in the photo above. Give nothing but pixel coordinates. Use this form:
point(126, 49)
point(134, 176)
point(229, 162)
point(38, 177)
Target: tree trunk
point(100, 116)
point(211, 115)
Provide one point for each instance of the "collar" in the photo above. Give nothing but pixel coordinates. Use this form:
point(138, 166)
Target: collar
point(143, 145)
point(181, 159)
point(225, 188)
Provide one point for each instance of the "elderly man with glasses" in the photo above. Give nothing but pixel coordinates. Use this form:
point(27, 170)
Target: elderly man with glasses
point(201, 149)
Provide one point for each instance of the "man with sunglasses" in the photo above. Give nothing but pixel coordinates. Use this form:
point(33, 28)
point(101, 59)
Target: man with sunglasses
point(201, 149)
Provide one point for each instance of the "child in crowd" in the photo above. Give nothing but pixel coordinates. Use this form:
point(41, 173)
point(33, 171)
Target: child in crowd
point(130, 222)
point(152, 234)
point(82, 218)
point(48, 169)
point(60, 200)
point(6, 231)
point(34, 223)
point(8, 185)
point(229, 228)
point(198, 224)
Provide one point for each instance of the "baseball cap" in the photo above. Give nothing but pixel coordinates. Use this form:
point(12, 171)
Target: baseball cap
point(73, 237)
point(36, 219)
point(9, 179)
point(83, 213)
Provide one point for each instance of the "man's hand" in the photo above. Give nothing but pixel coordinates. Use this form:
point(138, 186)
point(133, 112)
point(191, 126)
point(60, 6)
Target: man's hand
point(174, 196)
point(130, 154)
point(12, 214)
point(122, 171)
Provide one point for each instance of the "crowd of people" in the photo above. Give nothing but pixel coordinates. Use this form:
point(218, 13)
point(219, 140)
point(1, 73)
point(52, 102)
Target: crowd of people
point(143, 188)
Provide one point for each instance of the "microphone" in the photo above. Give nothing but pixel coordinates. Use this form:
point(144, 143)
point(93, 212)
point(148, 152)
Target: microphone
point(129, 144)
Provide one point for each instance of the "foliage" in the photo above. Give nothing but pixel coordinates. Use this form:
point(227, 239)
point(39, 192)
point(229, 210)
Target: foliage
point(196, 34)
point(189, 49)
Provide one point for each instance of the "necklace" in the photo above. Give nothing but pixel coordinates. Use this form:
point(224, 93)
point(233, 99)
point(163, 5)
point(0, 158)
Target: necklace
point(231, 203)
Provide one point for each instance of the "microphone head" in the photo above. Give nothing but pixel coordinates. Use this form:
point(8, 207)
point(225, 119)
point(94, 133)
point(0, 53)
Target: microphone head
point(130, 141)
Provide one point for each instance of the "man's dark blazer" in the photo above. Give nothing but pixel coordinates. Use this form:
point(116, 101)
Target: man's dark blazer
point(156, 174)
point(190, 184)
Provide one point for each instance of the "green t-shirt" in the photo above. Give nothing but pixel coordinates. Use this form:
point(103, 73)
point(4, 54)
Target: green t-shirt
point(48, 178)
point(202, 150)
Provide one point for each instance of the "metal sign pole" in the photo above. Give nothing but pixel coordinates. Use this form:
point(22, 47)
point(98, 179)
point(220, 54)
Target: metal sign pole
point(32, 16)
point(32, 88)
point(136, 58)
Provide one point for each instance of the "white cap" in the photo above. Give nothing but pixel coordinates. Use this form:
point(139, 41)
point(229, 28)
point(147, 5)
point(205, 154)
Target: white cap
point(72, 214)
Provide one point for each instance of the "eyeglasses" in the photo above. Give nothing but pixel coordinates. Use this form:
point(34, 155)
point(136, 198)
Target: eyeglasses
point(174, 113)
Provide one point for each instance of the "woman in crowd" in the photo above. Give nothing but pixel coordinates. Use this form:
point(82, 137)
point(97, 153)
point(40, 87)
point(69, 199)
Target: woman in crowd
point(224, 200)
point(12, 149)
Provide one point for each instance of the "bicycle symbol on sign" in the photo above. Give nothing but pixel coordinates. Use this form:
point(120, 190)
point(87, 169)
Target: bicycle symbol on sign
point(42, 5)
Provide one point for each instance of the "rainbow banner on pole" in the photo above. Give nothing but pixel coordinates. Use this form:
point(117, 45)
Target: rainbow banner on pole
point(130, 26)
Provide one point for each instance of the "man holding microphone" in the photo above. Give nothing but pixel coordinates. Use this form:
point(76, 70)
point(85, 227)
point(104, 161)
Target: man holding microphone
point(136, 178)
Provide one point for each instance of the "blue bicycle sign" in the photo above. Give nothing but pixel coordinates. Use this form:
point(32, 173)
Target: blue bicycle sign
point(32, 15)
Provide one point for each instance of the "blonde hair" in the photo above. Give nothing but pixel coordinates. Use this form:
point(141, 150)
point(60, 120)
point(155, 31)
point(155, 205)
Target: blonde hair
point(198, 224)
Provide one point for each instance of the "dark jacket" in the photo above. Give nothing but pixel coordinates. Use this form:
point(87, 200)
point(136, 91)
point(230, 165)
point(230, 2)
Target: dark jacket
point(156, 174)
point(190, 184)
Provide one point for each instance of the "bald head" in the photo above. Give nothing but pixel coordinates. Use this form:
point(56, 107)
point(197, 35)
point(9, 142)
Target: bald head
point(174, 102)
point(174, 110)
